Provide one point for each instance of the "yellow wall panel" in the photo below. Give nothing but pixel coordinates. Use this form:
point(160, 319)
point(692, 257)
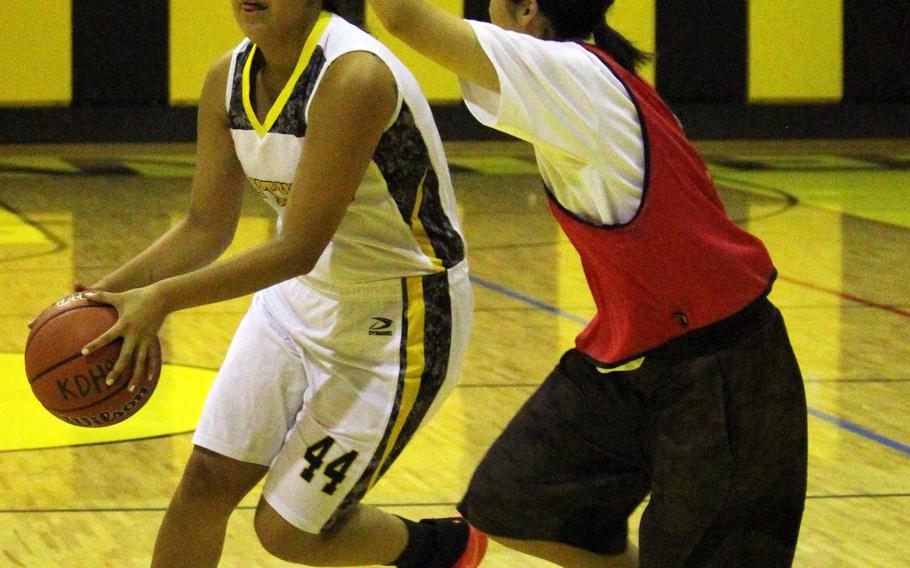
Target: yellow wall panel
point(795, 50)
point(438, 84)
point(634, 20)
point(36, 53)
point(200, 30)
point(638, 22)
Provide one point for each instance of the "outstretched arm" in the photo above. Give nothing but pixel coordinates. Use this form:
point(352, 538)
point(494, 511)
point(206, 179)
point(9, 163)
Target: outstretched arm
point(443, 37)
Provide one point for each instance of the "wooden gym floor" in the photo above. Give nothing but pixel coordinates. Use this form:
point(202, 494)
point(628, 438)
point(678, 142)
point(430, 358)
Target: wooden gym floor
point(835, 215)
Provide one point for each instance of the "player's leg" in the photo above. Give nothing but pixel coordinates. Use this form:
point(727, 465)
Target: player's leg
point(570, 556)
point(729, 456)
point(562, 478)
point(192, 532)
point(363, 527)
point(372, 387)
point(251, 405)
point(444, 544)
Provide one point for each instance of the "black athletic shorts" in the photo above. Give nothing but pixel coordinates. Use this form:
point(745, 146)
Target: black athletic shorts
point(712, 425)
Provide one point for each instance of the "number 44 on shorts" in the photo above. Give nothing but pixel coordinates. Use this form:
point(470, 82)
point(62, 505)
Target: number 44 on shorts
point(335, 470)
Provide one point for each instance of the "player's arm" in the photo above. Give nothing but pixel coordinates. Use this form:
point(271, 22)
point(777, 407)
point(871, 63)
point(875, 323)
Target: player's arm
point(348, 114)
point(215, 202)
point(443, 37)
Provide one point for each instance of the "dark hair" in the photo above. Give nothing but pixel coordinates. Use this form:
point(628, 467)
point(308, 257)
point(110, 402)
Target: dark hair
point(579, 19)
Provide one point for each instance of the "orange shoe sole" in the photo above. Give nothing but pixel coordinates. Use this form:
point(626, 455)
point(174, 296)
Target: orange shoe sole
point(475, 550)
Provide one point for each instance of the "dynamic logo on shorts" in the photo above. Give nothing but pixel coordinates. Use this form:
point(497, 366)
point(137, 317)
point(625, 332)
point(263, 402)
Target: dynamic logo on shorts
point(380, 326)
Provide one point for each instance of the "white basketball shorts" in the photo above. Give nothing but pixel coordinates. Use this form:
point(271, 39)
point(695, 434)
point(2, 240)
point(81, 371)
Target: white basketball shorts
point(326, 385)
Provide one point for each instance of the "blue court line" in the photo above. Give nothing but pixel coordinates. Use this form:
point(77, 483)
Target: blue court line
point(839, 422)
point(857, 429)
point(528, 300)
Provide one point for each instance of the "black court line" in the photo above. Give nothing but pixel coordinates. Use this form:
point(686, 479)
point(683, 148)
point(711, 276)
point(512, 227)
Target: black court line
point(869, 380)
point(522, 309)
point(36, 171)
point(835, 420)
point(743, 186)
point(751, 187)
point(118, 166)
point(163, 509)
point(58, 244)
point(460, 385)
point(76, 510)
point(790, 201)
point(863, 163)
point(542, 244)
point(107, 443)
point(499, 385)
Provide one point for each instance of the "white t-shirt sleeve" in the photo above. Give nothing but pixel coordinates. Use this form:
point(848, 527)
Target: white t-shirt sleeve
point(560, 115)
point(576, 113)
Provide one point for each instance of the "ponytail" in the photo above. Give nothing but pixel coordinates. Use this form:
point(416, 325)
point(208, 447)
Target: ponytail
point(350, 10)
point(620, 48)
point(576, 20)
point(332, 6)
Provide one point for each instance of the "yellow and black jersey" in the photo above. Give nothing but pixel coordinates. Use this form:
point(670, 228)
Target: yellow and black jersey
point(403, 220)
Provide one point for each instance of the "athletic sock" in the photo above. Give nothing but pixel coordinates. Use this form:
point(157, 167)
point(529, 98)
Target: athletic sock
point(433, 543)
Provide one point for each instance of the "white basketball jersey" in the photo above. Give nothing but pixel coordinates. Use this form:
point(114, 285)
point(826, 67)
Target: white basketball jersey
point(402, 221)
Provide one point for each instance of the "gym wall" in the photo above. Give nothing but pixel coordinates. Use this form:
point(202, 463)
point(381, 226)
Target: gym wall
point(116, 70)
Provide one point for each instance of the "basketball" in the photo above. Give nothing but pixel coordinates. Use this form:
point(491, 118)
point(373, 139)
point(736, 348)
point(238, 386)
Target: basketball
point(71, 385)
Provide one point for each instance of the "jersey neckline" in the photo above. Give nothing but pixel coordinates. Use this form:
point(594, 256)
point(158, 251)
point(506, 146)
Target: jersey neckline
point(309, 47)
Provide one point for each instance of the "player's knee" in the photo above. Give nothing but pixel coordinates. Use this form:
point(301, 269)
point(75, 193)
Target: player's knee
point(212, 477)
point(273, 537)
point(283, 540)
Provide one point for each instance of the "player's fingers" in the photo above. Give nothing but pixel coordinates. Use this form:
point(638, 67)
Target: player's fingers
point(101, 297)
point(123, 361)
point(110, 335)
point(80, 287)
point(154, 362)
point(139, 366)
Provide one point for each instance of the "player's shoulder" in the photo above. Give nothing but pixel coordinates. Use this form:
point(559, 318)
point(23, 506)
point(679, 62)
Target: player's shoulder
point(221, 67)
point(361, 75)
point(356, 59)
point(216, 80)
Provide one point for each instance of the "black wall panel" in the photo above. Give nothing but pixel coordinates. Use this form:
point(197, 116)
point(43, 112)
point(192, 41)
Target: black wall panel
point(702, 50)
point(120, 52)
point(877, 50)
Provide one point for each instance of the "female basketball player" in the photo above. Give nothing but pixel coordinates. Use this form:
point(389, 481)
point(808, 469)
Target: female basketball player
point(684, 384)
point(362, 308)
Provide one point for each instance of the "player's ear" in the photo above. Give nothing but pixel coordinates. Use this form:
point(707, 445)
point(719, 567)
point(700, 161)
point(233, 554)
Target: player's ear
point(528, 10)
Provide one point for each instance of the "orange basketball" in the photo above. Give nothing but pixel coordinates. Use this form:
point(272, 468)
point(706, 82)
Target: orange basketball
point(70, 385)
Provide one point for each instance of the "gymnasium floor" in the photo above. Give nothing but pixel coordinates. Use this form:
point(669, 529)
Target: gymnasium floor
point(835, 215)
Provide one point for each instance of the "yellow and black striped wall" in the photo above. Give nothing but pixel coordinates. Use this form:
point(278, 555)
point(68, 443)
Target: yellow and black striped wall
point(122, 70)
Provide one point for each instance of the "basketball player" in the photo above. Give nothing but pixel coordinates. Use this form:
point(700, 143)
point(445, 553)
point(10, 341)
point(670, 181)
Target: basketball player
point(684, 385)
point(362, 309)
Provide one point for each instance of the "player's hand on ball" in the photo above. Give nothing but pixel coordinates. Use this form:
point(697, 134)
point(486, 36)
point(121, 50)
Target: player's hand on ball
point(140, 316)
point(77, 287)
